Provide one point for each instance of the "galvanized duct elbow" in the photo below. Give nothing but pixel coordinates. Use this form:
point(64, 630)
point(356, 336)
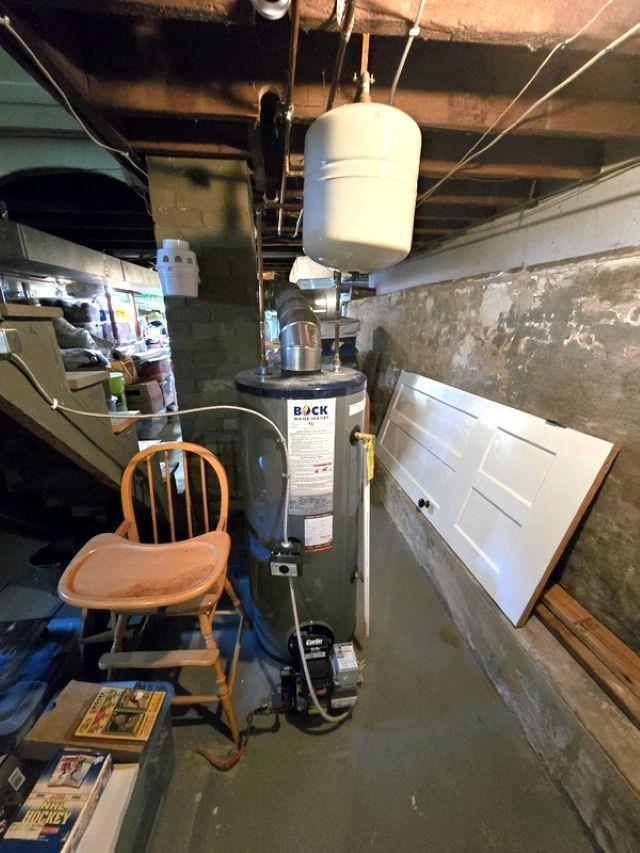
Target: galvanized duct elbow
point(300, 341)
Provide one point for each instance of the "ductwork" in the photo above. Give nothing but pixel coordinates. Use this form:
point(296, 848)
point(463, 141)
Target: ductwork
point(300, 341)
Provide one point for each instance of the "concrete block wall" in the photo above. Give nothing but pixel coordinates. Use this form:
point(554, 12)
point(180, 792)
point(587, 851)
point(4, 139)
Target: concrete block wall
point(213, 336)
point(560, 341)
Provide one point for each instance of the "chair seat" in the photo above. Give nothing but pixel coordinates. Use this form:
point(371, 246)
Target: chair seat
point(112, 573)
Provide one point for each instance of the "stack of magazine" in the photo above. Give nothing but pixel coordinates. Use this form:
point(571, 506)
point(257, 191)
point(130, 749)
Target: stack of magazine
point(121, 713)
point(59, 808)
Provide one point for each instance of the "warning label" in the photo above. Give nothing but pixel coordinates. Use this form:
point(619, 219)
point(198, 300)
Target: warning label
point(311, 438)
point(318, 532)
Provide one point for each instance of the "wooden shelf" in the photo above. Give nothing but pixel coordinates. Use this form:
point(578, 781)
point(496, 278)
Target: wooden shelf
point(17, 311)
point(78, 379)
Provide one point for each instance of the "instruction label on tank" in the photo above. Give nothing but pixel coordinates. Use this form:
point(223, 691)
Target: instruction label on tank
point(311, 438)
point(318, 532)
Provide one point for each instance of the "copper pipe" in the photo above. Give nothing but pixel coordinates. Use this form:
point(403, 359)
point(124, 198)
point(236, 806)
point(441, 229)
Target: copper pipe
point(261, 324)
point(345, 35)
point(288, 115)
point(337, 278)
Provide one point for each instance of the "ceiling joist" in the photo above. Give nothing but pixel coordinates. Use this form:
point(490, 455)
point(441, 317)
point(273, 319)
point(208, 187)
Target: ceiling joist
point(483, 21)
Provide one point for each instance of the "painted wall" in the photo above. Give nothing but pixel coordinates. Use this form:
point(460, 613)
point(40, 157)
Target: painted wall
point(560, 341)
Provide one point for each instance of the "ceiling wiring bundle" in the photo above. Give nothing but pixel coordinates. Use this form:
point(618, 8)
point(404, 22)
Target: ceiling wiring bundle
point(474, 152)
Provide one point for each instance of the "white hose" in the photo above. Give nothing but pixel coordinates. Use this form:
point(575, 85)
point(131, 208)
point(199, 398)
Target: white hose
point(55, 404)
point(328, 717)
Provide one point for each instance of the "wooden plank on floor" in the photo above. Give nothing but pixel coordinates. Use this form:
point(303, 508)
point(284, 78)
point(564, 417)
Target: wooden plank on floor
point(613, 686)
point(617, 656)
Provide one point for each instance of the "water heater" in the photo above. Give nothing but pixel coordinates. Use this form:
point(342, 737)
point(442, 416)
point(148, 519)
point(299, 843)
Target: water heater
point(318, 410)
point(318, 414)
point(361, 164)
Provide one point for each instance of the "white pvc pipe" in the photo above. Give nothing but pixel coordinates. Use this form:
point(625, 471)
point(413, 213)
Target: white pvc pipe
point(272, 10)
point(366, 549)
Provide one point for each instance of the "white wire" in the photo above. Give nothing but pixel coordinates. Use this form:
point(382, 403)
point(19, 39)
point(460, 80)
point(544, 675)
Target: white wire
point(298, 222)
point(6, 22)
point(55, 404)
point(560, 86)
point(328, 717)
point(560, 46)
point(414, 32)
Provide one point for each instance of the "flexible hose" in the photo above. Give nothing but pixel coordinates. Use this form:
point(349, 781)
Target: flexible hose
point(328, 717)
point(54, 403)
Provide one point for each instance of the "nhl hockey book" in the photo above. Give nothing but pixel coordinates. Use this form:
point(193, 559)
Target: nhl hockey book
point(58, 809)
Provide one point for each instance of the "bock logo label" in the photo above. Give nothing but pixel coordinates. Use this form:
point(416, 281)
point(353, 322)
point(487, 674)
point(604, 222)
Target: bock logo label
point(306, 410)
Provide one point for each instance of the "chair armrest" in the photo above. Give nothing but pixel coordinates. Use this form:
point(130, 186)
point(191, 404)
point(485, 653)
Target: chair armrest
point(123, 529)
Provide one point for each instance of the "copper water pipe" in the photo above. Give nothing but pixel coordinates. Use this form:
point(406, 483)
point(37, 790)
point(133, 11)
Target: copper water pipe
point(261, 324)
point(337, 278)
point(288, 115)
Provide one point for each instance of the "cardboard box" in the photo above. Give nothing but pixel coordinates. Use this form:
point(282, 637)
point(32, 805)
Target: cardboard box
point(57, 727)
point(168, 386)
point(145, 396)
point(58, 810)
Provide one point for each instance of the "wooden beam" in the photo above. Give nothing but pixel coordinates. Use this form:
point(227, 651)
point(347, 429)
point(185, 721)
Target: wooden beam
point(437, 168)
point(72, 81)
point(612, 652)
point(483, 21)
point(614, 686)
point(454, 199)
point(465, 111)
point(188, 149)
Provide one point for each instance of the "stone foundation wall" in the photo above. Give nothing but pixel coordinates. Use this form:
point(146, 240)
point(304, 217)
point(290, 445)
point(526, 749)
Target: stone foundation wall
point(561, 342)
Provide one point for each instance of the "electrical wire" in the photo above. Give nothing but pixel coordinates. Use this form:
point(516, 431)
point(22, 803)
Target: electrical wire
point(412, 35)
point(554, 91)
point(328, 717)
point(560, 46)
point(298, 223)
point(55, 404)
point(5, 21)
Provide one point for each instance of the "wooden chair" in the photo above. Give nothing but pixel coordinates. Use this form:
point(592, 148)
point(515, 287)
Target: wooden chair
point(118, 573)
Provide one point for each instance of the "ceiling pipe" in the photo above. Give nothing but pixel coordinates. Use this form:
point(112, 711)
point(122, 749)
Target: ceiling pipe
point(272, 10)
point(345, 35)
point(263, 364)
point(364, 79)
point(288, 114)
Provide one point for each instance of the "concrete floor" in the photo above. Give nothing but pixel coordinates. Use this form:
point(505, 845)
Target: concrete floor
point(431, 760)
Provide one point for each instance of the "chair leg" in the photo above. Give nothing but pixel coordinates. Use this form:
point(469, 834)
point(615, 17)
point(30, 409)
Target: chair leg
point(223, 687)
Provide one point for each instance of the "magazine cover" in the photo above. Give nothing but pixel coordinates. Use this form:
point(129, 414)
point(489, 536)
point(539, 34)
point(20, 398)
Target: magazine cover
point(57, 811)
point(117, 712)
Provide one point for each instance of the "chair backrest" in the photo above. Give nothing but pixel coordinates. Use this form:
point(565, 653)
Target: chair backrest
point(142, 462)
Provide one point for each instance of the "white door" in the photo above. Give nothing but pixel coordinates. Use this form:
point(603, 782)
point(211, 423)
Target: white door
point(505, 489)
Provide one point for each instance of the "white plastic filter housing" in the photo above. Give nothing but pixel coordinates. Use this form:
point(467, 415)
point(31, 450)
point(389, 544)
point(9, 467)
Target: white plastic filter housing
point(361, 164)
point(177, 267)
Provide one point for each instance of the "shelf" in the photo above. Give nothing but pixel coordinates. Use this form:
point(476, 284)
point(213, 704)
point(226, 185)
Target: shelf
point(18, 311)
point(78, 379)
